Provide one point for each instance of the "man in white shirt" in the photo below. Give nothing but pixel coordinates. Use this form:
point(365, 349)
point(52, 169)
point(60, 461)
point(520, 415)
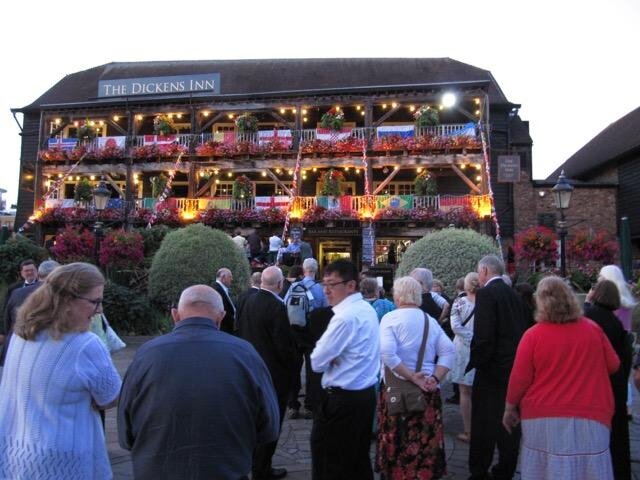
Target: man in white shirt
point(348, 355)
point(275, 243)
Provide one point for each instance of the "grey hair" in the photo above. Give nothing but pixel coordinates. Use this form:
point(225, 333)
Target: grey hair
point(46, 268)
point(310, 265)
point(494, 264)
point(271, 277)
point(256, 279)
point(407, 291)
point(423, 276)
point(222, 271)
point(369, 287)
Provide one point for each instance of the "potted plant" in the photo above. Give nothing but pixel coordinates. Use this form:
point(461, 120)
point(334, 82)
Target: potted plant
point(426, 116)
point(330, 183)
point(242, 188)
point(333, 119)
point(247, 123)
point(82, 193)
point(425, 184)
point(163, 125)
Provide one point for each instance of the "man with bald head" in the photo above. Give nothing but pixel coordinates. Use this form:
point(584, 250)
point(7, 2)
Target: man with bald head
point(224, 277)
point(264, 323)
point(197, 401)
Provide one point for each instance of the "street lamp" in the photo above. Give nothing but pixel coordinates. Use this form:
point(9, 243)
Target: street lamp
point(101, 195)
point(562, 194)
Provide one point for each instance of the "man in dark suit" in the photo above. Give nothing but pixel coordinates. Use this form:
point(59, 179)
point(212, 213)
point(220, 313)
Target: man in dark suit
point(29, 274)
point(224, 277)
point(256, 279)
point(263, 322)
point(17, 297)
point(498, 326)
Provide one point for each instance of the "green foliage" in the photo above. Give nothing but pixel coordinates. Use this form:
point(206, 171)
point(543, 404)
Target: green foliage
point(426, 116)
point(190, 256)
point(152, 238)
point(130, 312)
point(13, 252)
point(425, 184)
point(83, 191)
point(450, 253)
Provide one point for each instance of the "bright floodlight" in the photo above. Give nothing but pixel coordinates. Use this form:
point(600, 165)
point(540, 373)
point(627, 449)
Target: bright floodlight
point(448, 100)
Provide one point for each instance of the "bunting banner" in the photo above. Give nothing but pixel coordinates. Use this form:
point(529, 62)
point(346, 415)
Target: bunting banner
point(330, 135)
point(294, 190)
point(64, 144)
point(403, 131)
point(487, 163)
point(263, 203)
point(283, 136)
point(224, 137)
point(119, 141)
point(160, 139)
point(165, 193)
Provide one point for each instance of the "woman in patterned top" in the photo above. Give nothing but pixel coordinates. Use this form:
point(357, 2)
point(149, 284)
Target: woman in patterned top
point(57, 375)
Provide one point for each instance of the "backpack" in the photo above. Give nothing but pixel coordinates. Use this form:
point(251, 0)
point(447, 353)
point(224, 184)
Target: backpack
point(298, 305)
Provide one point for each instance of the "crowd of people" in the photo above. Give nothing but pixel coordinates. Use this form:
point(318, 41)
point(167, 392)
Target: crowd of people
point(542, 378)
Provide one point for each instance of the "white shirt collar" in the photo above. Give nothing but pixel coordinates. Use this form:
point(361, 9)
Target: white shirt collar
point(344, 304)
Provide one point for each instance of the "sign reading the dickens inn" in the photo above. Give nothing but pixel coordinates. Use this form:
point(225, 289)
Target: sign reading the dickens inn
point(205, 82)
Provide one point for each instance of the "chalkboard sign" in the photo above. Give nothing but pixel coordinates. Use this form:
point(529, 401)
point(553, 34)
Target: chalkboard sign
point(508, 168)
point(368, 243)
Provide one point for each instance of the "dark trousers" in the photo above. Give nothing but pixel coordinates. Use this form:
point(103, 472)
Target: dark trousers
point(487, 409)
point(263, 453)
point(341, 435)
point(619, 443)
point(302, 354)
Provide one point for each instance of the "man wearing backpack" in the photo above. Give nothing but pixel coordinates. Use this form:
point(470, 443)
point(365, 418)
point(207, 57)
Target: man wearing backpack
point(303, 297)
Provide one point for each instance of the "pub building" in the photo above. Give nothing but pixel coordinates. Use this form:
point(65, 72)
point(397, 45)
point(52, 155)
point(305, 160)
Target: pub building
point(366, 155)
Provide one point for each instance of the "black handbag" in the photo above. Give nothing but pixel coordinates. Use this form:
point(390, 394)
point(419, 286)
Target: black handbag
point(402, 396)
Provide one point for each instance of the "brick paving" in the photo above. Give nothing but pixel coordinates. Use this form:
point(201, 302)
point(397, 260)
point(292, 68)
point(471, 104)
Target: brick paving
point(293, 448)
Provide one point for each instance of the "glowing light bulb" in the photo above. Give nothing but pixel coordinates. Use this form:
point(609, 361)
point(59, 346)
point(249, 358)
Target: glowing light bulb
point(283, 110)
point(116, 118)
point(139, 117)
point(229, 174)
point(304, 111)
point(230, 116)
point(384, 106)
point(394, 105)
point(358, 107)
point(179, 115)
point(411, 108)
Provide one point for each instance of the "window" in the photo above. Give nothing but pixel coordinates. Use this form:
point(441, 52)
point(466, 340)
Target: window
point(396, 188)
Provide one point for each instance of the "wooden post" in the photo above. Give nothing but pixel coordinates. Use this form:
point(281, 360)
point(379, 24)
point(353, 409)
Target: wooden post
point(130, 184)
point(368, 123)
point(192, 180)
point(298, 128)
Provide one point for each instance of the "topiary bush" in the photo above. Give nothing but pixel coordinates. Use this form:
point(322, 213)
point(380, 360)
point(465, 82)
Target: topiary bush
point(13, 252)
point(192, 255)
point(449, 253)
point(129, 312)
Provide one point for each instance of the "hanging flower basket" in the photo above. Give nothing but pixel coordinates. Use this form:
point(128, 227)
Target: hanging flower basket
point(426, 116)
point(242, 188)
point(86, 131)
point(330, 183)
point(425, 184)
point(333, 119)
point(247, 123)
point(163, 125)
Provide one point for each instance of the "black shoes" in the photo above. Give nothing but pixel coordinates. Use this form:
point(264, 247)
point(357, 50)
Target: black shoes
point(277, 473)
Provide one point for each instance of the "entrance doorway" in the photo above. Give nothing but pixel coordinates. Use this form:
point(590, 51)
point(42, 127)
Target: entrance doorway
point(333, 249)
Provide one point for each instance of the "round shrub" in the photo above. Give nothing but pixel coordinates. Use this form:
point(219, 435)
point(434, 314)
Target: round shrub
point(120, 249)
point(129, 312)
point(192, 255)
point(13, 252)
point(449, 253)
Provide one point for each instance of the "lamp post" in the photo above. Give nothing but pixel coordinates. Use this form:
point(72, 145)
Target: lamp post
point(562, 194)
point(101, 195)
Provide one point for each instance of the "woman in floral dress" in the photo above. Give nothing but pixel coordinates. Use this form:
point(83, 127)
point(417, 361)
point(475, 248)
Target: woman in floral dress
point(411, 446)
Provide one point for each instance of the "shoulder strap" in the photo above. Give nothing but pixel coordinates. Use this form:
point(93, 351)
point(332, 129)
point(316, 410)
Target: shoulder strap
point(424, 343)
point(473, 310)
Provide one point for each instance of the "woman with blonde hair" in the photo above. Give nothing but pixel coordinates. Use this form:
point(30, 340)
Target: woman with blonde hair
point(57, 375)
point(559, 387)
point(462, 315)
point(411, 445)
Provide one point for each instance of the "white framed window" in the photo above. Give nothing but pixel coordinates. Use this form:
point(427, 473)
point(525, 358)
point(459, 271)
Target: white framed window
point(396, 188)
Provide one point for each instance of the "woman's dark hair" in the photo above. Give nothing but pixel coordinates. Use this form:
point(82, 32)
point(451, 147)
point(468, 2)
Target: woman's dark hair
point(526, 294)
point(295, 271)
point(345, 269)
point(606, 293)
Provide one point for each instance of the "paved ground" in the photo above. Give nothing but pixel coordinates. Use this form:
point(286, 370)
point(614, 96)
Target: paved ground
point(293, 448)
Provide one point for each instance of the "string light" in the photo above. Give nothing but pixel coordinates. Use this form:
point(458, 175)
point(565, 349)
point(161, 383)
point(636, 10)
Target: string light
point(264, 174)
point(476, 101)
point(116, 118)
point(229, 174)
point(419, 169)
point(304, 111)
point(75, 124)
point(230, 116)
point(205, 113)
point(478, 178)
point(394, 105)
point(57, 121)
point(179, 115)
point(139, 117)
point(337, 108)
point(412, 108)
point(304, 119)
point(315, 169)
point(92, 178)
point(384, 106)
point(358, 107)
point(362, 113)
point(201, 174)
point(283, 110)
